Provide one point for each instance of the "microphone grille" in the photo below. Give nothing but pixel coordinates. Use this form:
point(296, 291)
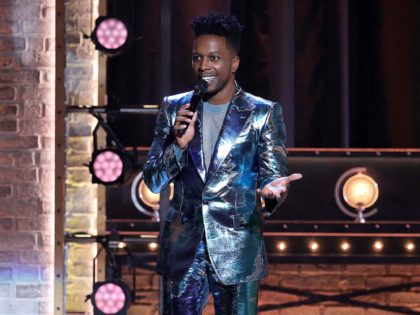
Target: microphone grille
point(201, 86)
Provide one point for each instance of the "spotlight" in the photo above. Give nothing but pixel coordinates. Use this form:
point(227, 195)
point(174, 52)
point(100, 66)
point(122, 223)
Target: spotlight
point(110, 35)
point(153, 246)
point(144, 199)
point(378, 246)
point(281, 246)
point(313, 246)
point(110, 297)
point(410, 246)
point(345, 246)
point(359, 191)
point(147, 196)
point(107, 166)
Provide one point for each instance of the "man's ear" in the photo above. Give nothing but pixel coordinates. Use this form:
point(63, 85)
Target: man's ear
point(235, 64)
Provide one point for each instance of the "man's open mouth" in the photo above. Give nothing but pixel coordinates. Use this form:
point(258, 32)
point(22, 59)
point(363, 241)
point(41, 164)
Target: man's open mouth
point(208, 78)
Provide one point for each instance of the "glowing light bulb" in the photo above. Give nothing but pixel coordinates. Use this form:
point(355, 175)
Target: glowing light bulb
point(360, 191)
point(281, 246)
point(410, 246)
point(345, 246)
point(153, 246)
point(313, 246)
point(378, 246)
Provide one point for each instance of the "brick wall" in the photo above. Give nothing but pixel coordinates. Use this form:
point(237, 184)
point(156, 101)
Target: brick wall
point(27, 58)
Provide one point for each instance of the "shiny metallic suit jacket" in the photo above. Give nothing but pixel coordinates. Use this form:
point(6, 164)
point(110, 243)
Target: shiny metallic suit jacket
point(220, 204)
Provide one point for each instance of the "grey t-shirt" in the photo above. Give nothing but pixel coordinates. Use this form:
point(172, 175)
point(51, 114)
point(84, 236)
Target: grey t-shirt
point(213, 116)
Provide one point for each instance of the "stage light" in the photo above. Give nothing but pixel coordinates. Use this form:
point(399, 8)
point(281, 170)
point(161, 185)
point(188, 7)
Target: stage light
point(313, 246)
point(153, 246)
point(410, 246)
point(281, 246)
point(107, 166)
point(144, 199)
point(378, 246)
point(151, 199)
point(345, 246)
point(81, 235)
point(147, 196)
point(110, 297)
point(110, 35)
point(359, 191)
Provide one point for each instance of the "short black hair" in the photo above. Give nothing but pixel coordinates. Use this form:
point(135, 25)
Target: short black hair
point(218, 24)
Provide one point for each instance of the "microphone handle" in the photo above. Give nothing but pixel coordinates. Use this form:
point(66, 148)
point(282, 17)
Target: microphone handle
point(194, 101)
point(199, 91)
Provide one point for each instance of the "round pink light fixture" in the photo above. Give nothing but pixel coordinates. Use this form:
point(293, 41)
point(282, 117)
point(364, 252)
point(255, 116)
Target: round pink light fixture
point(112, 33)
point(107, 166)
point(112, 297)
point(109, 298)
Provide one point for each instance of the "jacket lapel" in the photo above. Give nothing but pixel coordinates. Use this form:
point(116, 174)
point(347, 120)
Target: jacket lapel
point(236, 116)
point(196, 145)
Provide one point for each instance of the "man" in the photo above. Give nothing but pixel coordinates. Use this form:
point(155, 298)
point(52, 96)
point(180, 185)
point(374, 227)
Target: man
point(220, 158)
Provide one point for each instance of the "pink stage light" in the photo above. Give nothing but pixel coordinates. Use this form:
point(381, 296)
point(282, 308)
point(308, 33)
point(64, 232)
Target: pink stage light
point(107, 166)
point(109, 298)
point(112, 33)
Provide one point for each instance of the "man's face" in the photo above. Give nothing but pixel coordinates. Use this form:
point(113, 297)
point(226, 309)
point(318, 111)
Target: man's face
point(215, 62)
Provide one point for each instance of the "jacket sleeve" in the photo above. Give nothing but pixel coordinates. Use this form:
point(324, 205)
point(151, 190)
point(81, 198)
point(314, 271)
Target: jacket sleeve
point(272, 154)
point(165, 160)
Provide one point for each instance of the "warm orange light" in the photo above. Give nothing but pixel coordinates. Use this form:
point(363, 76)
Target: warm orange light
point(153, 246)
point(360, 191)
point(410, 246)
point(151, 199)
point(147, 196)
point(282, 246)
point(378, 246)
point(313, 246)
point(345, 246)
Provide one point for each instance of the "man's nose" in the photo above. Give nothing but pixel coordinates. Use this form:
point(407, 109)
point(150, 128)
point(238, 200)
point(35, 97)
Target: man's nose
point(204, 64)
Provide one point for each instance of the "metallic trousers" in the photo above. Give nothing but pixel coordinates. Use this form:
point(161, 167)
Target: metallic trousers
point(189, 296)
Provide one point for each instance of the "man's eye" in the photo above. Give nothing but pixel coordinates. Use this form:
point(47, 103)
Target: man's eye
point(196, 58)
point(214, 58)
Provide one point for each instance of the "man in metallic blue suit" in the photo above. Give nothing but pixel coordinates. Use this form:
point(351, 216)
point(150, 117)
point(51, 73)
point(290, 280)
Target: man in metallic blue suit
point(221, 158)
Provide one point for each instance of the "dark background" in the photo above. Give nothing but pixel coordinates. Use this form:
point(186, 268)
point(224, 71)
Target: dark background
point(312, 199)
point(346, 72)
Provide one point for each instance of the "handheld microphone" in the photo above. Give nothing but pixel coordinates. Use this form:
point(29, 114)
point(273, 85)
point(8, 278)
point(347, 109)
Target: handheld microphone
point(200, 89)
